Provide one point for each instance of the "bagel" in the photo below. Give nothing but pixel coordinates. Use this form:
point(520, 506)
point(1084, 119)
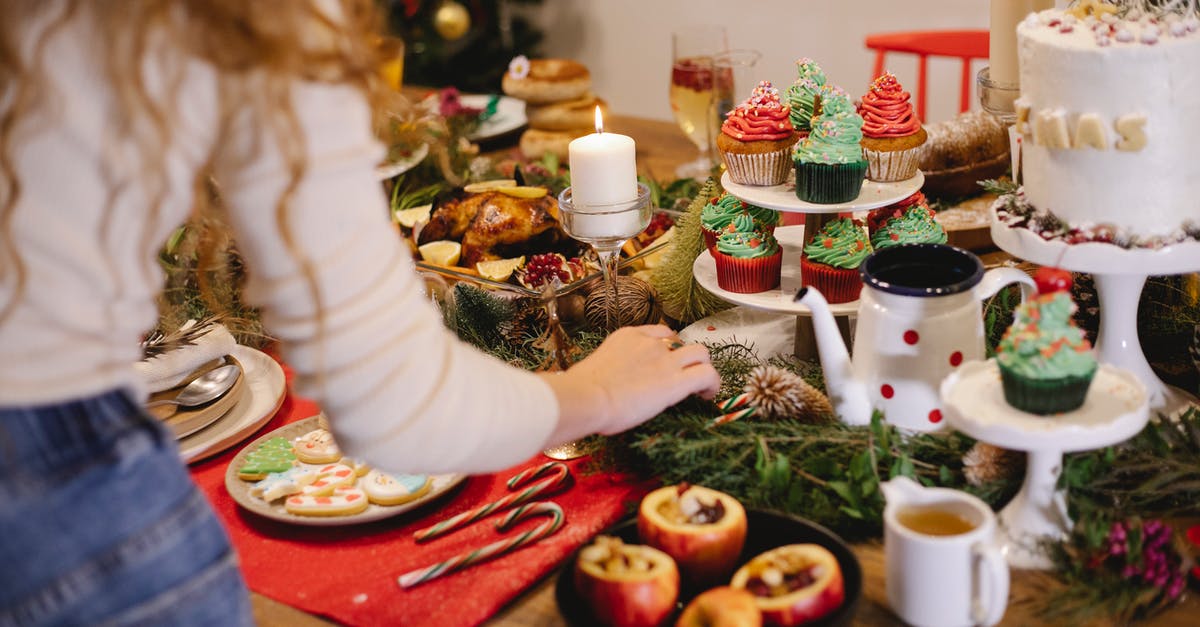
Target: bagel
point(536, 142)
point(549, 80)
point(567, 115)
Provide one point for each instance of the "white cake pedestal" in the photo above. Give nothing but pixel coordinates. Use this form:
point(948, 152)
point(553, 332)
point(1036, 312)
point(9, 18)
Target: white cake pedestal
point(1114, 410)
point(1120, 275)
point(792, 239)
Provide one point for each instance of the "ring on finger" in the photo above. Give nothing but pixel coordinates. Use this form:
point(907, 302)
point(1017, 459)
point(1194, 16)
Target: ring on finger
point(673, 343)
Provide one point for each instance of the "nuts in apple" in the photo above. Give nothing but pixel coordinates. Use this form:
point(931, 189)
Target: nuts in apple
point(702, 529)
point(793, 584)
point(721, 607)
point(626, 585)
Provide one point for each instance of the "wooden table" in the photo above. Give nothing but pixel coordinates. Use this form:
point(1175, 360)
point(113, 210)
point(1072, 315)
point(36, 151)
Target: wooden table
point(662, 147)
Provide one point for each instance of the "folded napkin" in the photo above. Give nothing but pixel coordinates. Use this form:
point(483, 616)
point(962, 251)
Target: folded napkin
point(169, 369)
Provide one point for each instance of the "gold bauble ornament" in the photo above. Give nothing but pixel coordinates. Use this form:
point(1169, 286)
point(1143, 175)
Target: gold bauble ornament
point(451, 20)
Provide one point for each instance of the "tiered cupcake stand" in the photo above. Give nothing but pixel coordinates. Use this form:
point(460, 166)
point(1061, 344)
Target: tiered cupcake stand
point(792, 239)
point(1120, 275)
point(1115, 410)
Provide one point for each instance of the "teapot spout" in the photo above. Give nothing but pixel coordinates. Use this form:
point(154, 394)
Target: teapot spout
point(847, 394)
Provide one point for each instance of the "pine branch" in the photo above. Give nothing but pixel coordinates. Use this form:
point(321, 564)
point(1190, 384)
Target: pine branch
point(682, 297)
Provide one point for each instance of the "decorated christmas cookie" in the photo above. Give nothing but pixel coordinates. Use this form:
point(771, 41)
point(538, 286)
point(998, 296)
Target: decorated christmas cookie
point(274, 455)
point(385, 489)
point(346, 500)
point(280, 484)
point(317, 447)
point(332, 476)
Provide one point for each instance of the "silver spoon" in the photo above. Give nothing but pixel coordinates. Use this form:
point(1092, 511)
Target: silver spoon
point(204, 388)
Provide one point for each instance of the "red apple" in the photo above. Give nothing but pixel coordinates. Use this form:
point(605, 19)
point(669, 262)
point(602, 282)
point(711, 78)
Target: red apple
point(793, 584)
point(626, 585)
point(721, 607)
point(701, 528)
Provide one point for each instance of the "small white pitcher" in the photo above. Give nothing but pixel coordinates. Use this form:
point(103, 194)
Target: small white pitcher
point(942, 580)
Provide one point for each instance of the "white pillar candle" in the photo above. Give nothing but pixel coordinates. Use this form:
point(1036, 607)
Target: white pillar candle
point(603, 169)
point(1002, 39)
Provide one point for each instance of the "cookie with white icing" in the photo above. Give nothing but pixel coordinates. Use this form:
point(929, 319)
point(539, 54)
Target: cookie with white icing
point(317, 447)
point(280, 484)
point(346, 500)
point(385, 489)
point(330, 477)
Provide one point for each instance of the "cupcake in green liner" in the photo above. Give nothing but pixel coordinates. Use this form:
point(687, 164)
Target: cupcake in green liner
point(830, 167)
point(915, 226)
point(803, 96)
point(747, 263)
point(1046, 363)
point(831, 259)
point(719, 215)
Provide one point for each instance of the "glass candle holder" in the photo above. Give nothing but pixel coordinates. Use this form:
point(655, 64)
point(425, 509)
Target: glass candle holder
point(606, 227)
point(998, 98)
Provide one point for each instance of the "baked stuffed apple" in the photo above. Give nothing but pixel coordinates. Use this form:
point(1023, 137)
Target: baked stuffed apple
point(793, 584)
point(702, 529)
point(626, 585)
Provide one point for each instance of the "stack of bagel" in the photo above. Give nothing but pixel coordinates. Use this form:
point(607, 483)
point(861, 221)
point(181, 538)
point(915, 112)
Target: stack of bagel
point(559, 104)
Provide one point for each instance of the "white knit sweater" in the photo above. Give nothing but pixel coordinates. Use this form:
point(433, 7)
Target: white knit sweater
point(401, 392)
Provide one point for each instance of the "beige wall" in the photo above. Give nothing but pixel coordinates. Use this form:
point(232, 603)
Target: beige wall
point(626, 43)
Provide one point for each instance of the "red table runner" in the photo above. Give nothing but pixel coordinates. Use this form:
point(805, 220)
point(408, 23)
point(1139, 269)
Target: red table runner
point(349, 573)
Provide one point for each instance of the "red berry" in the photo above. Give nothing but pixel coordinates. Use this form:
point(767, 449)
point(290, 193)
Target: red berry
point(1050, 280)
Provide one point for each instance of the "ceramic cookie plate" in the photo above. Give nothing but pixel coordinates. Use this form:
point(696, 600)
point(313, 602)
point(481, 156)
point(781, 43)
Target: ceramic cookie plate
point(275, 510)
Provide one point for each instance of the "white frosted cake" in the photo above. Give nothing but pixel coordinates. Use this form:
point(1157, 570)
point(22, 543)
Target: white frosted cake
point(1109, 117)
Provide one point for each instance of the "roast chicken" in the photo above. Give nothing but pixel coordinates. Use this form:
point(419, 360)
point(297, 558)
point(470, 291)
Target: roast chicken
point(494, 225)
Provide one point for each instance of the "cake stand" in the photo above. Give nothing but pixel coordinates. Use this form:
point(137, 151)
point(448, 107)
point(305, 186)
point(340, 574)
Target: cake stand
point(1120, 275)
point(1114, 410)
point(792, 239)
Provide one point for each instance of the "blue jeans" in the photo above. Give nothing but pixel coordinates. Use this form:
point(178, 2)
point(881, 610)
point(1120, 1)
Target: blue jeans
point(100, 523)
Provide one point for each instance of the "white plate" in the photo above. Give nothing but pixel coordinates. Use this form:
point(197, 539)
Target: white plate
point(400, 166)
point(791, 238)
point(240, 490)
point(769, 333)
point(510, 116)
point(783, 197)
point(263, 393)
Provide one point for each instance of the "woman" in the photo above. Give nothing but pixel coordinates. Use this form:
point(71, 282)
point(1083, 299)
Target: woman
point(111, 114)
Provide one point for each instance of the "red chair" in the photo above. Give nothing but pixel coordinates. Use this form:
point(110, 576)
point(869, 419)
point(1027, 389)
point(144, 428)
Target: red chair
point(963, 44)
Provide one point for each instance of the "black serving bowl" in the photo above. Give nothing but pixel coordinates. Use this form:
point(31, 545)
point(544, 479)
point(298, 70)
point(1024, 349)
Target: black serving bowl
point(765, 530)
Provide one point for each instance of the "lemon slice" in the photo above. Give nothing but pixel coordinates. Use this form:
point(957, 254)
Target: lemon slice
point(499, 269)
point(656, 257)
point(408, 218)
point(524, 191)
point(442, 252)
point(487, 186)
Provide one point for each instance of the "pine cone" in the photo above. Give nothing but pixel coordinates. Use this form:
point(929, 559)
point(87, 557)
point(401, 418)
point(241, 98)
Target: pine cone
point(985, 464)
point(528, 322)
point(778, 393)
point(637, 303)
point(1087, 316)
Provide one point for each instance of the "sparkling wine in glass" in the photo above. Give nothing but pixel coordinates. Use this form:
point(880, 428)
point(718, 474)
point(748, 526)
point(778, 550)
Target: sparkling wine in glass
point(691, 91)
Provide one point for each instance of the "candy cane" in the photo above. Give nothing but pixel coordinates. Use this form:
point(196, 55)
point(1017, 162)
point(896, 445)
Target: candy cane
point(735, 408)
point(495, 549)
point(558, 478)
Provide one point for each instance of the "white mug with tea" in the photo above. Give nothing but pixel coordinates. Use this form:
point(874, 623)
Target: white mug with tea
point(943, 567)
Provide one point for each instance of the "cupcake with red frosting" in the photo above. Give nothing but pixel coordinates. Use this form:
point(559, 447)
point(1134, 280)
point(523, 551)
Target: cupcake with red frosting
point(756, 139)
point(892, 134)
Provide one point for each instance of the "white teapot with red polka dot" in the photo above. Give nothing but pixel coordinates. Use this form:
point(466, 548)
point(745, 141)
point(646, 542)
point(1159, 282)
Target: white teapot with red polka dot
point(919, 317)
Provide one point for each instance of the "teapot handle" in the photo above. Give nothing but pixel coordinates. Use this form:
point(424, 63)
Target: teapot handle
point(997, 278)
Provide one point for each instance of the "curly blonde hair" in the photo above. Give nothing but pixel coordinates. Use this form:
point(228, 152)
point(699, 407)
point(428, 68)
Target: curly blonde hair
point(272, 43)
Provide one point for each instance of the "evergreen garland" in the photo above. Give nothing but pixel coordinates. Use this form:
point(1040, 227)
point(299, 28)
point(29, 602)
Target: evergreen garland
point(682, 297)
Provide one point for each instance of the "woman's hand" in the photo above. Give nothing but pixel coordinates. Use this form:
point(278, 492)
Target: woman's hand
point(634, 375)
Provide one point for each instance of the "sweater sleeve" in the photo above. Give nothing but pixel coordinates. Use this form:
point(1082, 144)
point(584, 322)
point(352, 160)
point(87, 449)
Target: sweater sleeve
point(342, 294)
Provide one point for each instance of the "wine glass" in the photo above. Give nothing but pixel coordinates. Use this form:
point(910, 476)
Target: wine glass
point(606, 227)
point(733, 79)
point(691, 92)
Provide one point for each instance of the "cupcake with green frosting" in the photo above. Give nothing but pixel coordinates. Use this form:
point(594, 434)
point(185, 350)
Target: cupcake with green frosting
point(830, 167)
point(915, 226)
point(831, 259)
point(747, 262)
point(803, 96)
point(1046, 363)
point(720, 214)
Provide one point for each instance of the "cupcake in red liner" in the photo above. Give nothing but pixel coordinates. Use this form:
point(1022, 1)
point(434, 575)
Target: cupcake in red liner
point(831, 259)
point(747, 263)
point(878, 217)
point(720, 214)
point(1046, 363)
point(830, 167)
point(756, 139)
point(892, 134)
point(915, 226)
